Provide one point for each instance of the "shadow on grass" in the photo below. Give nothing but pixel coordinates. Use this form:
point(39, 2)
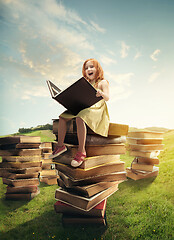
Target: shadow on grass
point(137, 185)
point(49, 226)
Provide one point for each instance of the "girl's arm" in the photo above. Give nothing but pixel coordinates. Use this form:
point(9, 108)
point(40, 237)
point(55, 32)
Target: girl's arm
point(103, 90)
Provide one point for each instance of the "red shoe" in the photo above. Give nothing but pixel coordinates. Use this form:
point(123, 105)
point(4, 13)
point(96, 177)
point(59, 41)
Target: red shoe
point(58, 151)
point(78, 159)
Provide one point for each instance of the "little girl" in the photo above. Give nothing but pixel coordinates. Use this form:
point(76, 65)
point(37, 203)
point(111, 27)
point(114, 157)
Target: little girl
point(96, 116)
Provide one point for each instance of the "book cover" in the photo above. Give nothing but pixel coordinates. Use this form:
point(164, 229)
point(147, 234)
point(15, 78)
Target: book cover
point(78, 96)
point(20, 139)
point(83, 202)
point(97, 211)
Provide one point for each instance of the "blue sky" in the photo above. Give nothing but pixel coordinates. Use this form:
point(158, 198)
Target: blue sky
point(49, 39)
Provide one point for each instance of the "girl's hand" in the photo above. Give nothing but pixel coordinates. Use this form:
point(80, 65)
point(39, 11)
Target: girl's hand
point(99, 93)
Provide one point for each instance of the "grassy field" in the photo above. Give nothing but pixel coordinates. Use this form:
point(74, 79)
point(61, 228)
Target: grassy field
point(141, 209)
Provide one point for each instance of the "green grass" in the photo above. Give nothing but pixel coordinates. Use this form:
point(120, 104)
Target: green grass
point(141, 209)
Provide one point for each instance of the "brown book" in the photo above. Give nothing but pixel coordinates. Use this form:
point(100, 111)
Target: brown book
point(82, 202)
point(21, 196)
point(145, 134)
point(148, 147)
point(143, 167)
point(20, 152)
point(28, 189)
point(97, 211)
point(137, 175)
point(22, 176)
point(20, 139)
point(71, 220)
point(46, 145)
point(145, 154)
point(48, 172)
point(71, 138)
point(21, 159)
point(151, 161)
point(144, 140)
point(89, 162)
point(88, 190)
point(70, 182)
point(94, 150)
point(21, 182)
point(77, 173)
point(19, 165)
point(22, 170)
point(50, 180)
point(115, 129)
point(46, 166)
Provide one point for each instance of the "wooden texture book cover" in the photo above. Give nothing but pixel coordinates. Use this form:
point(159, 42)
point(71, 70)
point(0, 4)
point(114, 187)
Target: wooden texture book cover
point(97, 211)
point(80, 95)
point(20, 139)
point(77, 173)
point(82, 202)
point(87, 190)
point(70, 182)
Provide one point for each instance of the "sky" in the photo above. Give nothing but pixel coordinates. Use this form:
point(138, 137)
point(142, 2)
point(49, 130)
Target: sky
point(50, 39)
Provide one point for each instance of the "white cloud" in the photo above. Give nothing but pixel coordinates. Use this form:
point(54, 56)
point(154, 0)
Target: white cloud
point(124, 50)
point(97, 28)
point(154, 55)
point(107, 60)
point(138, 55)
point(153, 77)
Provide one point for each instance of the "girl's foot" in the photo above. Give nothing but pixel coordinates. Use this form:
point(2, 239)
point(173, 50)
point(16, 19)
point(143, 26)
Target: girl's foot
point(78, 159)
point(58, 150)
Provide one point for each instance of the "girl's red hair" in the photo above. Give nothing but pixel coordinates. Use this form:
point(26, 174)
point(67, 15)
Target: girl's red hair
point(99, 73)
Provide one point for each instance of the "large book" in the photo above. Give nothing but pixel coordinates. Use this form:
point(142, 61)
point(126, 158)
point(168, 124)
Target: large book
point(78, 96)
point(137, 175)
point(115, 176)
point(144, 140)
point(87, 190)
point(20, 139)
point(19, 165)
point(22, 159)
point(78, 173)
point(115, 129)
point(21, 170)
point(148, 147)
point(49, 180)
point(97, 211)
point(89, 162)
point(145, 154)
point(96, 150)
point(21, 182)
point(145, 160)
point(20, 152)
point(145, 134)
point(21, 176)
point(143, 167)
point(21, 196)
point(71, 220)
point(25, 189)
point(19, 146)
point(83, 202)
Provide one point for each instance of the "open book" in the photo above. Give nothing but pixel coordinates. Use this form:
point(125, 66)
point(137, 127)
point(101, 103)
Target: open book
point(76, 97)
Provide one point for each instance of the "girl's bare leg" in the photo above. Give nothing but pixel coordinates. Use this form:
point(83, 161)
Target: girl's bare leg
point(61, 131)
point(81, 134)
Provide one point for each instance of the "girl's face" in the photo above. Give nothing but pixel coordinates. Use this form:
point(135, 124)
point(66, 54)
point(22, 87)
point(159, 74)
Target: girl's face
point(90, 70)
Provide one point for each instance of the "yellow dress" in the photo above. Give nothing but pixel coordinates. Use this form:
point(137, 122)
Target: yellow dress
point(96, 117)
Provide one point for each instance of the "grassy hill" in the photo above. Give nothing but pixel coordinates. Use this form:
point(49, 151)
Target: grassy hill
point(141, 209)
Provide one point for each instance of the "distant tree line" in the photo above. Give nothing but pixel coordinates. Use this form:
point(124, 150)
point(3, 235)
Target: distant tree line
point(39, 127)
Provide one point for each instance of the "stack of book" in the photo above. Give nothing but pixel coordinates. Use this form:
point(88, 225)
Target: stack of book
point(145, 146)
point(83, 191)
point(20, 166)
point(48, 173)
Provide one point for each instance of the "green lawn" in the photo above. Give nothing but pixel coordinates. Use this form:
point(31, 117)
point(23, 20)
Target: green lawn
point(141, 209)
